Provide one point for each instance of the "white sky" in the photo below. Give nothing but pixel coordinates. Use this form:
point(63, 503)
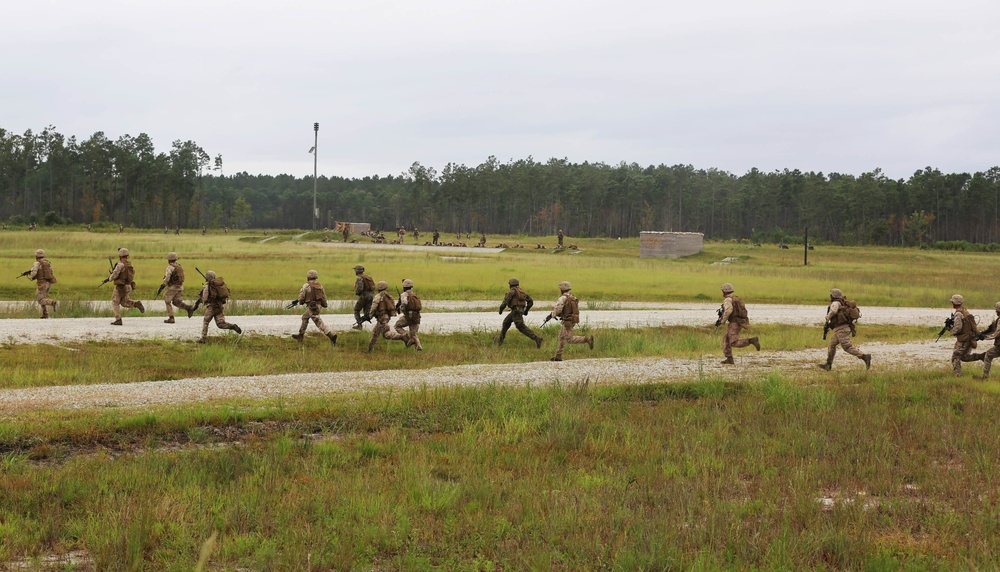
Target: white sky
point(845, 86)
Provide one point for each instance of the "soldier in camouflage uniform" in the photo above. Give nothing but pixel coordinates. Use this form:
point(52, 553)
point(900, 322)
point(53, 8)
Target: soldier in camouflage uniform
point(214, 296)
point(965, 334)
point(173, 281)
point(41, 273)
point(567, 309)
point(839, 320)
point(519, 303)
point(364, 288)
point(313, 297)
point(382, 309)
point(123, 277)
point(734, 311)
point(409, 307)
point(990, 333)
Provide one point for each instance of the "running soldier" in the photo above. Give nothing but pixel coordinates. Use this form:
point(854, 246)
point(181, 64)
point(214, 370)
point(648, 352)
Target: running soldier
point(123, 277)
point(409, 307)
point(364, 288)
point(382, 309)
point(734, 311)
point(840, 318)
point(436, 236)
point(173, 281)
point(519, 303)
point(214, 296)
point(567, 309)
point(313, 297)
point(990, 333)
point(41, 273)
point(964, 330)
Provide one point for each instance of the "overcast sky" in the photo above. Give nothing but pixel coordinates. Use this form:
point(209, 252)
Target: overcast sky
point(846, 86)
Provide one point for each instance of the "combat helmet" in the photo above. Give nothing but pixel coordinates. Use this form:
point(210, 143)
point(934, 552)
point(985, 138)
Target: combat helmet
point(171, 257)
point(39, 253)
point(514, 282)
point(957, 299)
point(210, 275)
point(122, 253)
point(836, 293)
point(359, 268)
point(407, 283)
point(565, 286)
point(382, 285)
point(727, 288)
point(312, 275)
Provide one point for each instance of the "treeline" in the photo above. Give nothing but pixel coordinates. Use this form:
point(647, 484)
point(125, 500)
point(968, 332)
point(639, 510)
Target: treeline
point(48, 178)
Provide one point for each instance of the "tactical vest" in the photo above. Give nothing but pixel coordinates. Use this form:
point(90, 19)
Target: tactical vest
point(413, 302)
point(385, 306)
point(218, 292)
point(739, 313)
point(177, 278)
point(367, 284)
point(315, 294)
point(126, 275)
point(45, 272)
point(847, 313)
point(519, 300)
point(571, 310)
point(969, 331)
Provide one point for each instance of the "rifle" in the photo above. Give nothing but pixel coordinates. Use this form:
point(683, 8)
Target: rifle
point(826, 329)
point(292, 304)
point(948, 324)
point(25, 273)
point(202, 273)
point(110, 272)
point(982, 335)
point(160, 289)
point(719, 312)
point(546, 320)
point(398, 299)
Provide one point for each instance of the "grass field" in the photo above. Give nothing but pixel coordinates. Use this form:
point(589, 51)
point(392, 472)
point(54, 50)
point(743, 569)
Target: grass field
point(881, 471)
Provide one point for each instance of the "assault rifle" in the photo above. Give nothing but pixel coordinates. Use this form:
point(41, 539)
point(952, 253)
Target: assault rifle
point(292, 304)
point(982, 335)
point(202, 274)
point(110, 272)
point(719, 312)
point(160, 289)
point(948, 324)
point(398, 299)
point(826, 325)
point(547, 318)
point(25, 273)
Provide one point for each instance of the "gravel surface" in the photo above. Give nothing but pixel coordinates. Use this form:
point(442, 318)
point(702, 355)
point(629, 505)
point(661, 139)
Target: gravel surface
point(749, 365)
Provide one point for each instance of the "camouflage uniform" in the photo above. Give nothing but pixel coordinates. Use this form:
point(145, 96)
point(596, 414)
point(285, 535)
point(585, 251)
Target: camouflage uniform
point(734, 312)
point(843, 329)
point(365, 291)
point(519, 303)
point(409, 316)
point(313, 297)
point(567, 309)
point(214, 307)
point(965, 333)
point(382, 309)
point(41, 273)
point(123, 278)
point(173, 280)
point(991, 333)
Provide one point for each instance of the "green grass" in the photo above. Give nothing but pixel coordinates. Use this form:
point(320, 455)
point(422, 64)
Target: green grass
point(706, 475)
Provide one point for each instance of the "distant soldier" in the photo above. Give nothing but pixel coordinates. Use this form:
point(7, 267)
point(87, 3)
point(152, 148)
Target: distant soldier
point(204, 230)
point(482, 240)
point(409, 307)
point(164, 230)
point(401, 233)
point(214, 296)
point(840, 318)
point(313, 297)
point(964, 330)
point(416, 235)
point(346, 233)
point(382, 309)
point(173, 281)
point(364, 289)
point(560, 237)
point(567, 309)
point(41, 273)
point(734, 311)
point(519, 303)
point(177, 229)
point(435, 236)
point(990, 333)
point(123, 277)
point(121, 229)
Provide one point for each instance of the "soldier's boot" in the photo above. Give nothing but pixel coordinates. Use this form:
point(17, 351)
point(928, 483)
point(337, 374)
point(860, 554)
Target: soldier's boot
point(142, 309)
point(499, 341)
point(298, 337)
point(867, 358)
point(190, 310)
point(45, 312)
point(333, 338)
point(825, 366)
point(235, 328)
point(201, 340)
point(755, 342)
point(590, 341)
point(169, 320)
point(55, 305)
point(728, 361)
point(117, 322)
point(538, 342)
point(371, 346)
point(356, 326)
point(555, 358)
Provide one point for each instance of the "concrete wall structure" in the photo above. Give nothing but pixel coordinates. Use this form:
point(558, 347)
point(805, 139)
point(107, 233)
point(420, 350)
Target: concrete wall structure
point(653, 244)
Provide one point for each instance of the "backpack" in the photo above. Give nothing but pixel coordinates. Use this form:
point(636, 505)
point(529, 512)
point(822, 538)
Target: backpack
point(385, 306)
point(218, 291)
point(126, 275)
point(45, 272)
point(520, 299)
point(739, 313)
point(369, 283)
point(571, 310)
point(848, 312)
point(413, 302)
point(316, 294)
point(177, 278)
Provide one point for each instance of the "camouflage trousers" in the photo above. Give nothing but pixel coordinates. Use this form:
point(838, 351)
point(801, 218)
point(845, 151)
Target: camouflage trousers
point(732, 339)
point(842, 337)
point(361, 306)
point(382, 329)
point(963, 352)
point(121, 298)
point(312, 313)
point(215, 312)
point(516, 319)
point(174, 296)
point(402, 323)
point(42, 296)
point(566, 337)
point(987, 358)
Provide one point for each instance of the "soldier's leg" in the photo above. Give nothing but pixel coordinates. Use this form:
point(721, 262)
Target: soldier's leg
point(843, 336)
point(41, 296)
point(732, 334)
point(126, 300)
point(400, 327)
point(378, 330)
point(831, 348)
point(168, 300)
point(575, 339)
point(956, 357)
point(507, 321)
point(524, 329)
point(357, 314)
point(116, 303)
point(564, 334)
point(988, 357)
point(414, 340)
point(209, 315)
point(323, 328)
point(178, 299)
point(737, 341)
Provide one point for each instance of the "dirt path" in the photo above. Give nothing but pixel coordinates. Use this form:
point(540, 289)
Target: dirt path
point(577, 368)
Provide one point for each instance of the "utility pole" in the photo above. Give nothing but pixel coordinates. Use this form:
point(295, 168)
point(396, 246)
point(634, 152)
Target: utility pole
point(315, 213)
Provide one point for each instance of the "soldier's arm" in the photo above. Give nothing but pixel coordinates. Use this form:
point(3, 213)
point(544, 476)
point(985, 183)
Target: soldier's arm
point(168, 274)
point(375, 303)
point(302, 293)
point(118, 270)
point(993, 331)
point(359, 286)
point(558, 307)
point(957, 328)
point(727, 309)
point(834, 308)
point(34, 269)
point(204, 295)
